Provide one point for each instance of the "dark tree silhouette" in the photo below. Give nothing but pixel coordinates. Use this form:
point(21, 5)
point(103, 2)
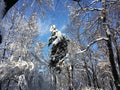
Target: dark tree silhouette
point(59, 49)
point(8, 5)
point(5, 8)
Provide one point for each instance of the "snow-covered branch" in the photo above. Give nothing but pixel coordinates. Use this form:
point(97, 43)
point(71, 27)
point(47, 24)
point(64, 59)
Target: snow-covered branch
point(94, 9)
point(38, 58)
point(10, 69)
point(91, 43)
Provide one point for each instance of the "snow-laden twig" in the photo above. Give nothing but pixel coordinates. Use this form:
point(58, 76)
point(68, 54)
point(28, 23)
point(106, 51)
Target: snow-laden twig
point(91, 43)
point(92, 9)
point(32, 3)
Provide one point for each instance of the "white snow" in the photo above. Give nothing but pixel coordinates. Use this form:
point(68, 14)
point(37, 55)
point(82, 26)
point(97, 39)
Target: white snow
point(108, 31)
point(52, 28)
point(59, 37)
point(57, 34)
point(7, 69)
point(22, 82)
point(91, 43)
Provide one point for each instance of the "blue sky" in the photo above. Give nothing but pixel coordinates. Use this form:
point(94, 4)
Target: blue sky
point(59, 17)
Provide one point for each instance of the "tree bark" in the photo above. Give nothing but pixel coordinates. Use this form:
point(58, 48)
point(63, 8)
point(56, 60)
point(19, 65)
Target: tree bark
point(54, 81)
point(109, 46)
point(88, 74)
point(8, 83)
point(117, 52)
point(112, 62)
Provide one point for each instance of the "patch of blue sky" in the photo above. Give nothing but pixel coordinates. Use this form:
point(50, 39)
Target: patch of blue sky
point(58, 17)
point(94, 47)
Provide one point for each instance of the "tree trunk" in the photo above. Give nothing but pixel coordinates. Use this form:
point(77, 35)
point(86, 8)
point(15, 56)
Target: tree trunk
point(54, 81)
point(111, 85)
point(95, 80)
point(8, 83)
point(88, 74)
point(0, 85)
point(112, 62)
point(109, 45)
point(117, 53)
point(70, 77)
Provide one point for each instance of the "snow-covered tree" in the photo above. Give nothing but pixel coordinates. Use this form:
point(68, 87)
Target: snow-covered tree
point(59, 48)
point(20, 67)
point(93, 29)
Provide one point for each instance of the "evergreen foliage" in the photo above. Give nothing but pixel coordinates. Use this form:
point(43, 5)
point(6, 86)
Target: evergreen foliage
point(59, 48)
